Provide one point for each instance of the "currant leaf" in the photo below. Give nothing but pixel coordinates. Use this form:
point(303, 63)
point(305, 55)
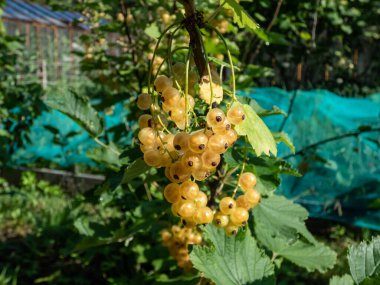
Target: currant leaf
point(244, 20)
point(258, 134)
point(78, 108)
point(231, 260)
point(341, 280)
point(364, 260)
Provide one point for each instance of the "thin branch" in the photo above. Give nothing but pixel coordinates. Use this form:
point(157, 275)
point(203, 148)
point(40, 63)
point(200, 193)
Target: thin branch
point(268, 29)
point(290, 109)
point(315, 22)
point(193, 22)
point(339, 137)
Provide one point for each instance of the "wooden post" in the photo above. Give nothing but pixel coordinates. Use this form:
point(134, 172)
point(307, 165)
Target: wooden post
point(274, 70)
point(299, 72)
point(327, 72)
point(56, 53)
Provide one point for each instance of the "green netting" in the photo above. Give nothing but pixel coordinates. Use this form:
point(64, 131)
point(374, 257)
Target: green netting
point(342, 177)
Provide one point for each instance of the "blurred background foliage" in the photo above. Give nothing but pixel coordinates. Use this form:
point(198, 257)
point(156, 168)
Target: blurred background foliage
point(51, 233)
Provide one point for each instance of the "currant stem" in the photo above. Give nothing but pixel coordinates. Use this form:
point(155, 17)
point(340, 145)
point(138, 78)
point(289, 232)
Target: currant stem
point(187, 87)
point(243, 165)
point(154, 54)
point(216, 12)
point(207, 66)
point(107, 146)
point(230, 60)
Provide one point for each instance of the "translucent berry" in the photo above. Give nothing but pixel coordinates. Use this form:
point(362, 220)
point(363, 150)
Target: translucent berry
point(226, 205)
point(189, 190)
point(239, 216)
point(162, 82)
point(165, 236)
point(252, 196)
point(231, 229)
point(177, 114)
point(168, 175)
point(210, 159)
point(201, 200)
point(200, 174)
point(167, 142)
point(147, 136)
point(179, 172)
point(144, 148)
point(171, 97)
point(247, 180)
point(198, 142)
point(215, 117)
point(204, 216)
point(152, 157)
point(175, 208)
point(179, 69)
point(144, 101)
point(231, 136)
point(192, 160)
point(172, 192)
point(190, 102)
point(197, 239)
point(221, 220)
point(145, 121)
point(181, 141)
point(218, 143)
point(242, 202)
point(222, 128)
point(187, 209)
point(236, 115)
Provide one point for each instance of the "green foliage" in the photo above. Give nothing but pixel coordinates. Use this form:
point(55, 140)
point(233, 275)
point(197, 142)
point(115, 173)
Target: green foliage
point(109, 235)
point(341, 280)
point(284, 138)
point(232, 260)
point(244, 20)
point(364, 261)
point(257, 132)
point(278, 222)
point(78, 108)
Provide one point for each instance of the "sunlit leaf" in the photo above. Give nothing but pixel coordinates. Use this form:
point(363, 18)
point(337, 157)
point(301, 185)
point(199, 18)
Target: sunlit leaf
point(231, 260)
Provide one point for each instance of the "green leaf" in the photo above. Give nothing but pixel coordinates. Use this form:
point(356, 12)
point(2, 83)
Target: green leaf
point(280, 216)
point(221, 62)
point(313, 257)
point(278, 223)
point(231, 260)
point(264, 112)
point(305, 36)
point(364, 260)
point(153, 31)
point(244, 20)
point(134, 170)
point(77, 108)
point(284, 138)
point(371, 281)
point(122, 235)
point(82, 224)
point(257, 132)
point(105, 156)
point(341, 280)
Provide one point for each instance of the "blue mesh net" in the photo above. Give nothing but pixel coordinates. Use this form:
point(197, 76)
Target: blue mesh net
point(341, 178)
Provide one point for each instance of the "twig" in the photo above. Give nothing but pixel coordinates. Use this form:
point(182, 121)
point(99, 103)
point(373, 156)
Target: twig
point(268, 29)
point(315, 22)
point(290, 109)
point(192, 22)
point(346, 135)
point(107, 146)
